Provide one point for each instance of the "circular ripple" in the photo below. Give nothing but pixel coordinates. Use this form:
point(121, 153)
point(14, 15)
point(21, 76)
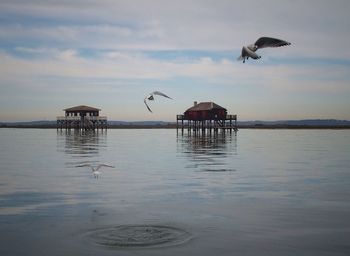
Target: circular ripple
point(139, 236)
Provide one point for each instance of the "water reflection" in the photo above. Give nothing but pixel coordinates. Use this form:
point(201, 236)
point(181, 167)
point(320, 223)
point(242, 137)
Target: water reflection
point(208, 152)
point(21, 202)
point(81, 146)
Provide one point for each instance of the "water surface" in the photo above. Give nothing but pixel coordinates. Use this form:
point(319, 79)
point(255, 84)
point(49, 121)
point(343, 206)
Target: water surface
point(257, 192)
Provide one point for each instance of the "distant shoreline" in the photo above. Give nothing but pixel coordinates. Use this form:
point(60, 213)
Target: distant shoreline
point(173, 126)
point(257, 124)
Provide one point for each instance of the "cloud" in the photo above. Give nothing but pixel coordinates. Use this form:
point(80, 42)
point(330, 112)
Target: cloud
point(70, 64)
point(97, 47)
point(315, 27)
point(112, 64)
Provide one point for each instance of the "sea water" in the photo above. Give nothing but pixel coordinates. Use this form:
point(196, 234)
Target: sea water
point(254, 192)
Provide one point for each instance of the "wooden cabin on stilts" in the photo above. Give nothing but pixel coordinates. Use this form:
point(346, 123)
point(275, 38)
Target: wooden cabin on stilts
point(206, 116)
point(82, 118)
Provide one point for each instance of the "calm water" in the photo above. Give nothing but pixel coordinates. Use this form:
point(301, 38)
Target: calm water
point(257, 192)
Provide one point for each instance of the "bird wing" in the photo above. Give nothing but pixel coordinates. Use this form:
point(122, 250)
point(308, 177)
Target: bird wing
point(264, 42)
point(147, 105)
point(87, 165)
point(248, 53)
point(83, 165)
point(161, 94)
point(106, 165)
point(240, 57)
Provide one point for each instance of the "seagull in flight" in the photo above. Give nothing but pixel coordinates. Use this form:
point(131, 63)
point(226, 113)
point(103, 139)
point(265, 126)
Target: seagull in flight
point(95, 169)
point(262, 42)
point(151, 97)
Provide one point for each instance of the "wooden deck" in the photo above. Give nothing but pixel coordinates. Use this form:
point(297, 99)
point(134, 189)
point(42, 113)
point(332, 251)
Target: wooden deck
point(85, 123)
point(229, 123)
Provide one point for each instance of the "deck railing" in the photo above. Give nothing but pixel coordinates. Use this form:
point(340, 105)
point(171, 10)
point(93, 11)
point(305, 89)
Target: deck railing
point(232, 117)
point(96, 118)
point(180, 117)
point(68, 118)
point(78, 118)
point(228, 117)
point(86, 123)
point(226, 123)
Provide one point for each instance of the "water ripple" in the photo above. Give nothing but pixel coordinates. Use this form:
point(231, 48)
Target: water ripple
point(138, 236)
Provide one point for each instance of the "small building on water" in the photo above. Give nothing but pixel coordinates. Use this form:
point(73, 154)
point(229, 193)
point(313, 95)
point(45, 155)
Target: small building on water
point(82, 117)
point(206, 116)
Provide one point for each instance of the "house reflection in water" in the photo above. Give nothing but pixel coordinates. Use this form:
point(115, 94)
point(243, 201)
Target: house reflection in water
point(208, 152)
point(81, 146)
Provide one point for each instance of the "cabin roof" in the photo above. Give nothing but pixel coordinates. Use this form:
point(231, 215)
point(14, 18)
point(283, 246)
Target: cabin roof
point(204, 106)
point(81, 108)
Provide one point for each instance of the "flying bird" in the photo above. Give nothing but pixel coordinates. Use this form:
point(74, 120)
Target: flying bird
point(95, 169)
point(151, 97)
point(262, 42)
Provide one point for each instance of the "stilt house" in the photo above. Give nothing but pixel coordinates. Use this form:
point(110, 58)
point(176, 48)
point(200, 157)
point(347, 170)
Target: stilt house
point(206, 116)
point(82, 117)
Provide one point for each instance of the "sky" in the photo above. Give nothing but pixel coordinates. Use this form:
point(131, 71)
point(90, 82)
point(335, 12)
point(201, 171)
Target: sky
point(110, 54)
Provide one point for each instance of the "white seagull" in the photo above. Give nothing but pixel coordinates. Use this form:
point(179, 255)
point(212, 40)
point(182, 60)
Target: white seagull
point(95, 169)
point(151, 97)
point(262, 42)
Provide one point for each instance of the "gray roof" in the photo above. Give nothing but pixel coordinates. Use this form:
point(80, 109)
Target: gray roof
point(81, 108)
point(203, 106)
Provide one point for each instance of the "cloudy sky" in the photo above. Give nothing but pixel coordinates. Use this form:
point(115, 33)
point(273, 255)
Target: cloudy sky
point(111, 53)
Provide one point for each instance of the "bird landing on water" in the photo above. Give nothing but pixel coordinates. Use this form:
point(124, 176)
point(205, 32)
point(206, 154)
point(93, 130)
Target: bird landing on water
point(95, 169)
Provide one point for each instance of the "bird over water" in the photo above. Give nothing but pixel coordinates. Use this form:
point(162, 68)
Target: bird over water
point(151, 97)
point(263, 42)
point(95, 169)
